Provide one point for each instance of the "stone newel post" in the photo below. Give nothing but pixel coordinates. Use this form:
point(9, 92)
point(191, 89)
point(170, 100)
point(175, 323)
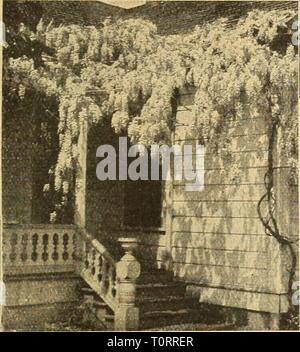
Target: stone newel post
point(128, 271)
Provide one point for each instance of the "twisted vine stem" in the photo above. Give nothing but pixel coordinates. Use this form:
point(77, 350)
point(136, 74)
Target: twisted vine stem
point(270, 222)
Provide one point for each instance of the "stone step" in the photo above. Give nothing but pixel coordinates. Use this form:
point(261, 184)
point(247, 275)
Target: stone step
point(110, 318)
point(155, 276)
point(194, 327)
point(161, 300)
point(98, 318)
point(87, 290)
point(160, 318)
point(170, 303)
point(110, 322)
point(160, 289)
point(100, 304)
point(158, 311)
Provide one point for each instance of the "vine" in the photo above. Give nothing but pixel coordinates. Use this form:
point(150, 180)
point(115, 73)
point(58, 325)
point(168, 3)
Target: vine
point(126, 74)
point(270, 223)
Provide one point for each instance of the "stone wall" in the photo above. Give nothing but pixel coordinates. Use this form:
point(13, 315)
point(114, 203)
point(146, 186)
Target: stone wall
point(36, 300)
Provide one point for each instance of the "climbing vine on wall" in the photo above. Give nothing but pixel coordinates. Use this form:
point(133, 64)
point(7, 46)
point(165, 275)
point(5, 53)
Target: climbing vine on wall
point(126, 73)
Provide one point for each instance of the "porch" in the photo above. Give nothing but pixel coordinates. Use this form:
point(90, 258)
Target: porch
point(212, 242)
point(53, 272)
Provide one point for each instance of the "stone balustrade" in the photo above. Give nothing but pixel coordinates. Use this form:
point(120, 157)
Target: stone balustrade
point(45, 249)
point(98, 269)
point(30, 249)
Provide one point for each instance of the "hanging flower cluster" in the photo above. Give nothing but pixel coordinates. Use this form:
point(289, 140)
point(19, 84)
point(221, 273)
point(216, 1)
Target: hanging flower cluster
point(127, 73)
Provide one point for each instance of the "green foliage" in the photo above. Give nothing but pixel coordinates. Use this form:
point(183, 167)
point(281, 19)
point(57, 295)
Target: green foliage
point(126, 73)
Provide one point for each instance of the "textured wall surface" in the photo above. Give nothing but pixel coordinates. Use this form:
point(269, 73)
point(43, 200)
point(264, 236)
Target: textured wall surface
point(218, 240)
point(29, 303)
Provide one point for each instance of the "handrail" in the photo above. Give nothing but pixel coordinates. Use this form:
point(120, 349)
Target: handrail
point(44, 249)
point(98, 269)
point(38, 226)
point(98, 246)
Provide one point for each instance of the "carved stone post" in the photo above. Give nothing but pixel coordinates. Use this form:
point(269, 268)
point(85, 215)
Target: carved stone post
point(128, 271)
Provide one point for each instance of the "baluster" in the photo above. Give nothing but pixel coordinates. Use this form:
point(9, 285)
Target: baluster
point(6, 249)
point(24, 248)
point(93, 261)
point(30, 248)
point(13, 248)
point(40, 249)
point(71, 247)
point(66, 255)
point(45, 241)
point(112, 280)
point(50, 248)
point(8, 245)
point(104, 276)
point(75, 253)
point(86, 254)
point(80, 252)
point(96, 264)
point(107, 277)
point(55, 255)
point(99, 266)
point(60, 250)
point(34, 241)
point(89, 257)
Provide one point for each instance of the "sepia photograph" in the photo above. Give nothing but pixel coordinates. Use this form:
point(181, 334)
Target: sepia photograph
point(149, 167)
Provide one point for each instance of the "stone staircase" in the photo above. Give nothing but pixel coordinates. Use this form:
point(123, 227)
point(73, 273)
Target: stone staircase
point(122, 296)
point(161, 302)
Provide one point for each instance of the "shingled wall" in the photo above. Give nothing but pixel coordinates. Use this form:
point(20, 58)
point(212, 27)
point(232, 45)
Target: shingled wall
point(219, 245)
